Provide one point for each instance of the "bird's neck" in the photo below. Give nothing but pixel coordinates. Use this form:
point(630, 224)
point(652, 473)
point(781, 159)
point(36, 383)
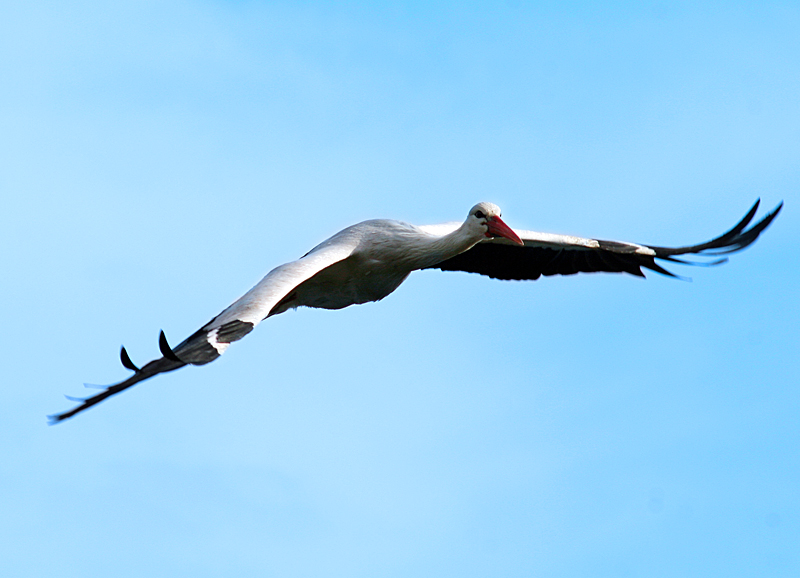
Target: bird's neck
point(435, 249)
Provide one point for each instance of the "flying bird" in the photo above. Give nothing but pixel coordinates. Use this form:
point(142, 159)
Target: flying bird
point(369, 260)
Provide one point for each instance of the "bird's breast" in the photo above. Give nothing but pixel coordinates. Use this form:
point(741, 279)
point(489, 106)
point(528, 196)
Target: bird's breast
point(351, 281)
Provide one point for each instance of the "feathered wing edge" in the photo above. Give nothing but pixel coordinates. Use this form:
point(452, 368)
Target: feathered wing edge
point(153, 368)
point(736, 239)
point(209, 342)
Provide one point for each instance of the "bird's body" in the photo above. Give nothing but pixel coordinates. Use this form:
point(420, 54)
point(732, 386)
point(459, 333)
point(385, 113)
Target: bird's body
point(368, 261)
point(381, 254)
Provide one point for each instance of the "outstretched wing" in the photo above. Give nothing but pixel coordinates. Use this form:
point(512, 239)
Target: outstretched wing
point(547, 254)
point(268, 297)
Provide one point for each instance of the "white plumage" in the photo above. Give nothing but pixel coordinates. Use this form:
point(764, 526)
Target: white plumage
point(368, 261)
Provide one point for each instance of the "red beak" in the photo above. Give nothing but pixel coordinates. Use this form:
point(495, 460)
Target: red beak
point(497, 228)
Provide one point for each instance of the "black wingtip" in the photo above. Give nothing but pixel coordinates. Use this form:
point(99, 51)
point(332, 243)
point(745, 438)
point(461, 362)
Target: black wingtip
point(166, 350)
point(59, 417)
point(126, 360)
point(775, 211)
point(659, 269)
point(732, 241)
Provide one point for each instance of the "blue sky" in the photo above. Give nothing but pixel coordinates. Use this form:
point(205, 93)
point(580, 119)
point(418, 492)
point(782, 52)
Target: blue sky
point(158, 158)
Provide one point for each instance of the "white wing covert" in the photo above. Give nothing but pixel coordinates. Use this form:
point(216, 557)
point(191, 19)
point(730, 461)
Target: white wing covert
point(231, 325)
point(259, 303)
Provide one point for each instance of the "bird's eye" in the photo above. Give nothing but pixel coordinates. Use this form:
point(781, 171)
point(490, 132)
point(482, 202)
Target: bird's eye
point(480, 215)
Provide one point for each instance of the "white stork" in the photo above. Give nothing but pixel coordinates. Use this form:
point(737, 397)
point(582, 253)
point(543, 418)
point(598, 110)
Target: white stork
point(369, 260)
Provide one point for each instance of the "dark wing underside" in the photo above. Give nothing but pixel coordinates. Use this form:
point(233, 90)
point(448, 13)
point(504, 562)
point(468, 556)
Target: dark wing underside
point(529, 263)
point(506, 261)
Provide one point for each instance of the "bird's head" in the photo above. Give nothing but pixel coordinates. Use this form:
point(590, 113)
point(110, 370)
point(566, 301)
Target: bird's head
point(486, 218)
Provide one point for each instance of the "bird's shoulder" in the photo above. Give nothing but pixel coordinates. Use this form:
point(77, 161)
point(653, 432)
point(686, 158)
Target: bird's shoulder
point(371, 233)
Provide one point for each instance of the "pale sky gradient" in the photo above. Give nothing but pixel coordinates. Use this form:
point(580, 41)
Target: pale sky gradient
point(158, 158)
